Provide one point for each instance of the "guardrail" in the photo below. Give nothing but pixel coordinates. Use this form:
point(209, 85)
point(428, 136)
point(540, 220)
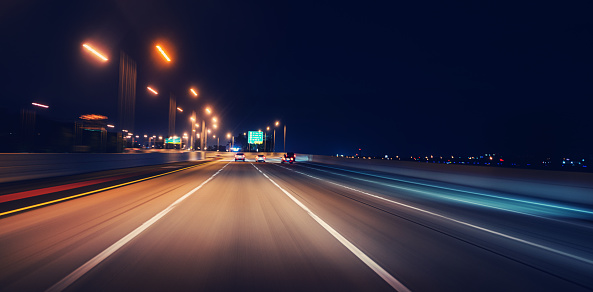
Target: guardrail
point(24, 166)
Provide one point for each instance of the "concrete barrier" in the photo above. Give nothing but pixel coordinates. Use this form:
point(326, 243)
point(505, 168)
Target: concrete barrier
point(24, 166)
point(557, 186)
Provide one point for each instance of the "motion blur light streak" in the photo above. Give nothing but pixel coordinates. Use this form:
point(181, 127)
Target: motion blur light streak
point(40, 105)
point(95, 52)
point(193, 92)
point(179, 109)
point(163, 53)
point(555, 206)
point(153, 91)
point(527, 242)
point(92, 192)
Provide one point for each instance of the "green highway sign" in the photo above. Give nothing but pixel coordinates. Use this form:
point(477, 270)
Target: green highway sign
point(174, 140)
point(255, 137)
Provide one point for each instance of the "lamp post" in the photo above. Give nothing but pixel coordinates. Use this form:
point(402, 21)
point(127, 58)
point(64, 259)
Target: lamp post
point(193, 128)
point(266, 139)
point(274, 142)
point(230, 136)
point(284, 138)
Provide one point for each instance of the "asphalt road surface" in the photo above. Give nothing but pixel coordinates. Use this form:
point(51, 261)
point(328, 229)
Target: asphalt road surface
point(246, 226)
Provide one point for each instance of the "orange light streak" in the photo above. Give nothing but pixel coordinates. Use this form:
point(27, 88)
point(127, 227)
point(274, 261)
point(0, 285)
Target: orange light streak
point(163, 52)
point(153, 91)
point(95, 52)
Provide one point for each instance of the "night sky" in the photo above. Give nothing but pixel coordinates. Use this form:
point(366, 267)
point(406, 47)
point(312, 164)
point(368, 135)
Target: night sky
point(390, 77)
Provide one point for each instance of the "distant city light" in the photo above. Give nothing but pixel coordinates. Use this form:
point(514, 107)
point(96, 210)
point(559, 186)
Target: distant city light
point(152, 90)
point(93, 117)
point(163, 53)
point(95, 52)
point(40, 105)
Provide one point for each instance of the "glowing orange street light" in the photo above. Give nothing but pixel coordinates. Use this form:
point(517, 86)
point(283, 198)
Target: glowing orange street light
point(208, 110)
point(152, 90)
point(214, 119)
point(193, 91)
point(179, 109)
point(163, 53)
point(40, 105)
point(94, 52)
point(215, 126)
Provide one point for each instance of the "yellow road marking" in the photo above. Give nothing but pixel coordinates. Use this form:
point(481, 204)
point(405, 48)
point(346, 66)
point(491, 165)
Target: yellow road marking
point(97, 191)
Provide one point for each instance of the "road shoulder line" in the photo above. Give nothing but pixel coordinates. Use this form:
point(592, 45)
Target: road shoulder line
point(94, 191)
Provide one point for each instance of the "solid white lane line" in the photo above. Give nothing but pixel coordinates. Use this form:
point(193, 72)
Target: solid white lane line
point(392, 281)
point(454, 220)
point(76, 274)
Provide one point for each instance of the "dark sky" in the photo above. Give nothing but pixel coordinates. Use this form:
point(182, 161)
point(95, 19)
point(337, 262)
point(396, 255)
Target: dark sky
point(391, 77)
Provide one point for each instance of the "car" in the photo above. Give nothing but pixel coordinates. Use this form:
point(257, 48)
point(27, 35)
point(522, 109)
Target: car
point(240, 156)
point(289, 157)
point(261, 158)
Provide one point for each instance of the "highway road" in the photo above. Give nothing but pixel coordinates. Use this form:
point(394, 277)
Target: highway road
point(239, 226)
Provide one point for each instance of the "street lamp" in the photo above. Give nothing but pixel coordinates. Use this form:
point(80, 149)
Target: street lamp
point(40, 105)
point(99, 55)
point(266, 139)
point(163, 53)
point(275, 125)
point(152, 90)
point(193, 91)
point(230, 136)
